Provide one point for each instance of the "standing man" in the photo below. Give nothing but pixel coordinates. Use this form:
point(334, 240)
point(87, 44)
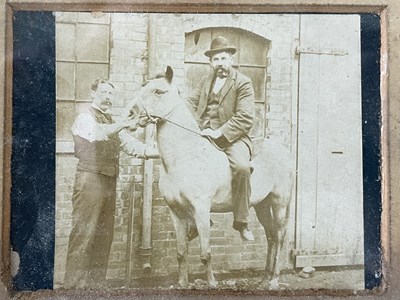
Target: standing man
point(223, 104)
point(98, 140)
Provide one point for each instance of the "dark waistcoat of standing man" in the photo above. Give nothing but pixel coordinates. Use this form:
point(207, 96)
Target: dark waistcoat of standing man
point(98, 156)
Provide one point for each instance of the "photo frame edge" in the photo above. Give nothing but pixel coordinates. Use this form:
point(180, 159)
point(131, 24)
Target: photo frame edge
point(390, 58)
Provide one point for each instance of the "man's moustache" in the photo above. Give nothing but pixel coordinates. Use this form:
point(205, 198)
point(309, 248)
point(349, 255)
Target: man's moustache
point(221, 72)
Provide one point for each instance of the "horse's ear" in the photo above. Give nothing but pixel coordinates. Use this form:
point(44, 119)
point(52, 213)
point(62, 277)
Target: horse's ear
point(169, 74)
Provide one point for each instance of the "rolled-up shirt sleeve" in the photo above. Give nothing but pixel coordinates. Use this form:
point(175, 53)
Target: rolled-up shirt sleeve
point(131, 145)
point(87, 128)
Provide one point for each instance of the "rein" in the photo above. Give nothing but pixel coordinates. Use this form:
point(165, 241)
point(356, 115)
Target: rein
point(187, 129)
point(154, 119)
point(176, 124)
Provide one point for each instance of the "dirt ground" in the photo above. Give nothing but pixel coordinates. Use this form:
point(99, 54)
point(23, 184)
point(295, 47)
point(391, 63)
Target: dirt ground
point(327, 278)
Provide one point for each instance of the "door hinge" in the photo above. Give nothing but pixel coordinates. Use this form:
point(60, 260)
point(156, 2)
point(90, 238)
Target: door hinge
point(334, 52)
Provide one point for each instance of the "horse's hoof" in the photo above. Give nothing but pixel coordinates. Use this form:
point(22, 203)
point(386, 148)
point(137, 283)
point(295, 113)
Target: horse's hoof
point(183, 285)
point(274, 285)
point(264, 284)
point(213, 283)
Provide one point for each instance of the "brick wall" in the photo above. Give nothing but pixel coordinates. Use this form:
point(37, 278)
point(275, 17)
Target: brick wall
point(65, 170)
point(128, 68)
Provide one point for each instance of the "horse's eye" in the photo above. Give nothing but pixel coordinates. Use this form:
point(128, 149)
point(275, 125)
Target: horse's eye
point(158, 92)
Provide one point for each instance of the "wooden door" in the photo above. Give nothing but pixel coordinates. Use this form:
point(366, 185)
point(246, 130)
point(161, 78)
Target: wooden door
point(329, 210)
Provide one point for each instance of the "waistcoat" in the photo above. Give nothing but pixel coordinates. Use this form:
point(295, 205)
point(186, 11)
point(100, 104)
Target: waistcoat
point(212, 111)
point(99, 156)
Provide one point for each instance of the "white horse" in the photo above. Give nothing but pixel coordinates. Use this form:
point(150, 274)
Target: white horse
point(196, 179)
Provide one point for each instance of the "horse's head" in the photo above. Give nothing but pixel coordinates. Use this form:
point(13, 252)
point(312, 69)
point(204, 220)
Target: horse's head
point(158, 98)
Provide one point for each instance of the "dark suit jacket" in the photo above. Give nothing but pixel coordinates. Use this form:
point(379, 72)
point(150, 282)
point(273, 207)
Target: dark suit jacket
point(236, 108)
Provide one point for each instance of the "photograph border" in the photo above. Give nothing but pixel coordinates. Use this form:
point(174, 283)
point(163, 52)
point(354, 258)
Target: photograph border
point(388, 11)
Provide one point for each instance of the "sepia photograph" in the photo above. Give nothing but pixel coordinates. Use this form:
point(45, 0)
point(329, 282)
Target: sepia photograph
point(199, 151)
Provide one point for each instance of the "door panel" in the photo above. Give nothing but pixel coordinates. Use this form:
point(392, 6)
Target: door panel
point(329, 220)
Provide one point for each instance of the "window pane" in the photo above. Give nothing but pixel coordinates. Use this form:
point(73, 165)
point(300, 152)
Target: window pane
point(65, 41)
point(194, 73)
point(85, 75)
point(253, 49)
point(65, 81)
point(257, 76)
point(196, 43)
point(92, 42)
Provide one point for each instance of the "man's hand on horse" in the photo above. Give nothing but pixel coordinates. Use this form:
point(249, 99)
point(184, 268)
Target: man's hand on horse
point(145, 120)
point(214, 134)
point(130, 123)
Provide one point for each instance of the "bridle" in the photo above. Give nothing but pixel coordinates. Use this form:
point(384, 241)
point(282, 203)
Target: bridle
point(154, 119)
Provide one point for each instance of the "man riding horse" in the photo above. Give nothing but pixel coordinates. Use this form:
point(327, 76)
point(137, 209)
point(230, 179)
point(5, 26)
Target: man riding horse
point(223, 104)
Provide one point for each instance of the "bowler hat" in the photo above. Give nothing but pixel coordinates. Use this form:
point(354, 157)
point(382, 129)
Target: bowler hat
point(220, 44)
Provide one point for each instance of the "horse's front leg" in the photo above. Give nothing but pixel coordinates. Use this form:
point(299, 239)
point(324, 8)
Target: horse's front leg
point(181, 229)
point(202, 218)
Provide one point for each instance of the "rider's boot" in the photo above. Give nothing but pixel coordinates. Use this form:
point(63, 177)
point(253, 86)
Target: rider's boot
point(245, 232)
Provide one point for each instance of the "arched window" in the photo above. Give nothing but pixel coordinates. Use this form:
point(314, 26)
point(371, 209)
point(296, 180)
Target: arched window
point(250, 59)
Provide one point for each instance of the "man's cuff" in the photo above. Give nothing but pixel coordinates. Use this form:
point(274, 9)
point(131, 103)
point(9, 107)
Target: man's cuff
point(225, 133)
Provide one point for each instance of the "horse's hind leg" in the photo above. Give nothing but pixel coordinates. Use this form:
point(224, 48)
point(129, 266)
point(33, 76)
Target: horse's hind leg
point(203, 226)
point(280, 211)
point(181, 229)
point(273, 215)
point(264, 216)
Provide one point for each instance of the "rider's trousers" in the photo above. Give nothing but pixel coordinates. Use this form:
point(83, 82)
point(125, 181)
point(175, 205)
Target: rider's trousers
point(239, 158)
